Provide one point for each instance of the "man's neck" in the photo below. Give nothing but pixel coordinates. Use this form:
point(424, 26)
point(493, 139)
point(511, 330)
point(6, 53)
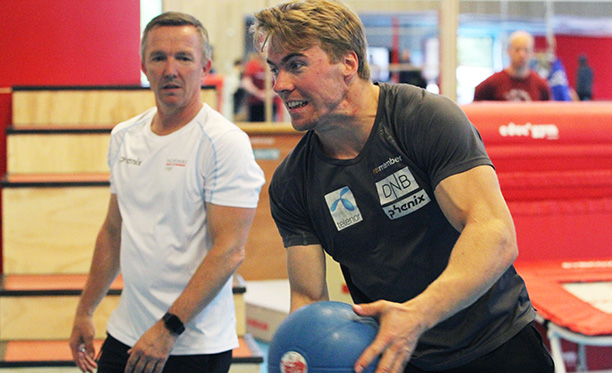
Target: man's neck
point(167, 120)
point(345, 135)
point(520, 73)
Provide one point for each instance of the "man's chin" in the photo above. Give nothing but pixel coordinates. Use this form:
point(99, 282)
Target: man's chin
point(301, 125)
point(170, 102)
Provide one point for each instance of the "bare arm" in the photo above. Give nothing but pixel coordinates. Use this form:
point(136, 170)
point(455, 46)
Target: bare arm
point(473, 204)
point(306, 270)
point(104, 269)
point(228, 228)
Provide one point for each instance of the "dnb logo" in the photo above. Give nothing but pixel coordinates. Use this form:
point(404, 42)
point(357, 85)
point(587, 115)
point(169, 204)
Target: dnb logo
point(293, 362)
point(393, 190)
point(343, 208)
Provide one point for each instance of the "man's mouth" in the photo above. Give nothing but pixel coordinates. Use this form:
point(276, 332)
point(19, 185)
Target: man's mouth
point(296, 104)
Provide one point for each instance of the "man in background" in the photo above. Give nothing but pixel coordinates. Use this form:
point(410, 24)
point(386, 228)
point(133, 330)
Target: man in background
point(584, 79)
point(518, 82)
point(254, 83)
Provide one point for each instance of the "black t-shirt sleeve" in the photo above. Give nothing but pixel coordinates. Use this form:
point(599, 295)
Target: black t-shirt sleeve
point(439, 137)
point(288, 206)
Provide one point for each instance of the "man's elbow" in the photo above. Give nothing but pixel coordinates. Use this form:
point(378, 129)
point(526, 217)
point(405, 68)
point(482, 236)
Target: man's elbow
point(509, 248)
point(237, 256)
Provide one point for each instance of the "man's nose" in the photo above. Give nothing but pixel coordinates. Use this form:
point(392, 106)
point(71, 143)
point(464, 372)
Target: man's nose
point(282, 82)
point(170, 67)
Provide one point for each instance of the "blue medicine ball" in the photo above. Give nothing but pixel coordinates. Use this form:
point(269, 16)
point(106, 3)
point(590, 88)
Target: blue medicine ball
point(321, 337)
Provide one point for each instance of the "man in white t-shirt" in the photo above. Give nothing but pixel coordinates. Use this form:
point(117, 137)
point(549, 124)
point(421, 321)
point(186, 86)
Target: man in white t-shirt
point(184, 187)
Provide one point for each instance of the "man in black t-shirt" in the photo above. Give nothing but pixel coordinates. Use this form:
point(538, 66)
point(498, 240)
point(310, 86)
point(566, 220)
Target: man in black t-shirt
point(395, 184)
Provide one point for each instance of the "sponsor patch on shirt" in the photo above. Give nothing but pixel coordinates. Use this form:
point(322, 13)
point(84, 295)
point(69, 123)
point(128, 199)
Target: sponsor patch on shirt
point(343, 208)
point(407, 205)
point(392, 192)
point(175, 162)
point(396, 186)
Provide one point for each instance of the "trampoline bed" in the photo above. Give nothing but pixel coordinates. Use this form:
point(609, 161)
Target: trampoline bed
point(574, 301)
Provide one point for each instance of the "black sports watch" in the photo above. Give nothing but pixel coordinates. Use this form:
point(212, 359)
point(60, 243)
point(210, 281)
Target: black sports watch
point(173, 323)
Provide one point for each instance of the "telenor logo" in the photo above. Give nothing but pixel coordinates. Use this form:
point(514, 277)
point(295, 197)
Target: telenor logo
point(345, 202)
point(343, 208)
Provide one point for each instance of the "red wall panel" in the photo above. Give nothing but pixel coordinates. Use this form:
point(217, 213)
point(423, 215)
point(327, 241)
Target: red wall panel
point(596, 49)
point(69, 42)
point(65, 42)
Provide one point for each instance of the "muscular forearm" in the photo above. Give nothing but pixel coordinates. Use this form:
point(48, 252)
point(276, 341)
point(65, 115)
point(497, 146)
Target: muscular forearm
point(306, 269)
point(299, 299)
point(480, 256)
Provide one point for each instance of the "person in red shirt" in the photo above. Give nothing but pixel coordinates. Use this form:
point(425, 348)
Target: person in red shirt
point(517, 82)
point(254, 82)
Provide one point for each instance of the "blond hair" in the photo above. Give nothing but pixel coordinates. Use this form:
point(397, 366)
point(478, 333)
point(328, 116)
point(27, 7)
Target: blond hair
point(301, 24)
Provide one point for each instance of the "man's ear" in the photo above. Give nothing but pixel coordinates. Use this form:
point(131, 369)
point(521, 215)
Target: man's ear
point(351, 64)
point(206, 69)
point(143, 69)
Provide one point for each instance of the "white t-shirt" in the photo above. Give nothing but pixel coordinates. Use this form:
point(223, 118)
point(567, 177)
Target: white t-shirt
point(162, 183)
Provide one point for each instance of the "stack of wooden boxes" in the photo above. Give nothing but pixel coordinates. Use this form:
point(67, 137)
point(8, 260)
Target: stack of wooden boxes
point(54, 200)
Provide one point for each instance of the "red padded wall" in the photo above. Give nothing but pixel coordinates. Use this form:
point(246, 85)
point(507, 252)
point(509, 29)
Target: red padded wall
point(554, 164)
point(69, 42)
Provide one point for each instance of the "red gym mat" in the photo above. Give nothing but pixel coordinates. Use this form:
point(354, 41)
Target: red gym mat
point(554, 303)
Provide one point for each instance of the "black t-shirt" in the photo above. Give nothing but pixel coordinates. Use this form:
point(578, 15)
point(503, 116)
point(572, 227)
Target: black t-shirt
point(377, 216)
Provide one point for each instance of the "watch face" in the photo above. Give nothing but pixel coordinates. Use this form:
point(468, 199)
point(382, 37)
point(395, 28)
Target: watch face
point(173, 323)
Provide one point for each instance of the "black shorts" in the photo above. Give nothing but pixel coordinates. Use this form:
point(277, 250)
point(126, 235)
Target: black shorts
point(114, 357)
point(524, 353)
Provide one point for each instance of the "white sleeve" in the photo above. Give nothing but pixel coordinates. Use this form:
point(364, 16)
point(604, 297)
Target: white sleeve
point(231, 175)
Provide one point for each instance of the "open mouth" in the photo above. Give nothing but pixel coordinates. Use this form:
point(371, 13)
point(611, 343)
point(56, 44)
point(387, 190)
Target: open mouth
point(296, 104)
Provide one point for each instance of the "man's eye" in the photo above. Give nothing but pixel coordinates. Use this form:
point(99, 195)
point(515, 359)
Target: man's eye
point(295, 65)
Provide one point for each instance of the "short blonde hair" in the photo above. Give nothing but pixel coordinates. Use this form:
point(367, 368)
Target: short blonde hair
point(301, 24)
point(177, 19)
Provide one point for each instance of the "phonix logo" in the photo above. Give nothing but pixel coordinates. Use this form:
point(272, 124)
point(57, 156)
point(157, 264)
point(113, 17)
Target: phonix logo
point(343, 208)
point(407, 205)
point(130, 161)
